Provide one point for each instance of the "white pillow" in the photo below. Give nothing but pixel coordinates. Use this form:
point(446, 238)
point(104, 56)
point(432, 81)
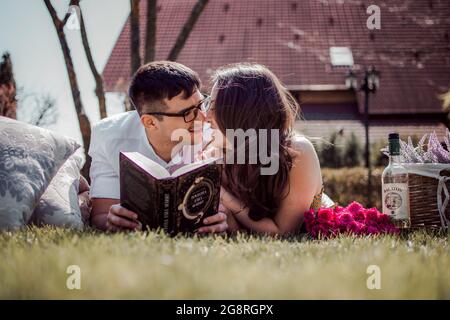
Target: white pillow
point(29, 158)
point(59, 205)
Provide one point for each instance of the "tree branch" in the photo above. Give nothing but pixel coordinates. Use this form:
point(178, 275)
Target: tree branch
point(99, 91)
point(66, 17)
point(53, 14)
point(187, 28)
point(83, 120)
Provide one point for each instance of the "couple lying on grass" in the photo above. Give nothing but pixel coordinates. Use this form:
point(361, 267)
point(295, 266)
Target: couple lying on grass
point(167, 97)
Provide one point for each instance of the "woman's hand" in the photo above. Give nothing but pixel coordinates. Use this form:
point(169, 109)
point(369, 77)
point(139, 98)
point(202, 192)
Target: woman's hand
point(231, 202)
point(215, 224)
point(239, 218)
point(233, 224)
point(231, 206)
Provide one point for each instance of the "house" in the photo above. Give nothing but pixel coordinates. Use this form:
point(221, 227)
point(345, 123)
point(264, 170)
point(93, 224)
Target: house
point(293, 38)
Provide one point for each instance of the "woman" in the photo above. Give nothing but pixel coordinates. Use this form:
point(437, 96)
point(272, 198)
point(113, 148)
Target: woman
point(249, 96)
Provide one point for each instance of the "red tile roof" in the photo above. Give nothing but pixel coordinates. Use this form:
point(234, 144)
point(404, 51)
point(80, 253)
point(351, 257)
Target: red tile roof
point(292, 38)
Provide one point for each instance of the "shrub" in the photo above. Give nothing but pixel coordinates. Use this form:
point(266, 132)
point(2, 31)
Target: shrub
point(338, 151)
point(353, 152)
point(331, 152)
point(345, 185)
point(377, 158)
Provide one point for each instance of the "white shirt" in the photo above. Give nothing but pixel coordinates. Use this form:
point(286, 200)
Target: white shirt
point(120, 133)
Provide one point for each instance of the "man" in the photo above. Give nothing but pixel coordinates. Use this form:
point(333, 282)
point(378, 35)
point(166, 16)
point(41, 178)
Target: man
point(166, 97)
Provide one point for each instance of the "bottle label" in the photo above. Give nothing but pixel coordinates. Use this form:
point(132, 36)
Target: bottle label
point(396, 200)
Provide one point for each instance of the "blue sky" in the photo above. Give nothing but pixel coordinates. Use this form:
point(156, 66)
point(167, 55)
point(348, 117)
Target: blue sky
point(27, 32)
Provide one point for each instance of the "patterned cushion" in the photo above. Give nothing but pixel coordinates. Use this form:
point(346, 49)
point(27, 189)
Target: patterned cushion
point(29, 158)
point(59, 205)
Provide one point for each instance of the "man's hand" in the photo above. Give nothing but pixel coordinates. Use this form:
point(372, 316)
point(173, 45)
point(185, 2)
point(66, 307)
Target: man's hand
point(120, 219)
point(215, 224)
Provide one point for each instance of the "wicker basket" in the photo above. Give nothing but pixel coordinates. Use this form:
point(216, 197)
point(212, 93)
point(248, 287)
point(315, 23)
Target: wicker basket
point(424, 189)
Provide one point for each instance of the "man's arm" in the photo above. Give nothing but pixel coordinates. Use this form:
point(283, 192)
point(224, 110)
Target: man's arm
point(109, 215)
point(99, 213)
point(106, 212)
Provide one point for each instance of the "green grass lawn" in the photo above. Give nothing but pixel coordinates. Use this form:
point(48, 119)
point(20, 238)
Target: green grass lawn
point(33, 264)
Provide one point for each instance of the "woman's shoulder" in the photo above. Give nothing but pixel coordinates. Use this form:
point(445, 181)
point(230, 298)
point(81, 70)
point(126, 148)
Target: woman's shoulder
point(302, 147)
point(306, 165)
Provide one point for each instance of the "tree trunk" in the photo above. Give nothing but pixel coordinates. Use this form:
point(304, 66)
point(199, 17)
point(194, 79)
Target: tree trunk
point(150, 41)
point(8, 102)
point(99, 91)
point(135, 37)
point(85, 126)
point(187, 28)
point(127, 103)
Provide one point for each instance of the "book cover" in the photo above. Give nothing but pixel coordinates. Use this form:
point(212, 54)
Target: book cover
point(175, 202)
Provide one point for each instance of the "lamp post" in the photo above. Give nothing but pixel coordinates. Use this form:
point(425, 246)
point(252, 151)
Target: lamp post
point(370, 84)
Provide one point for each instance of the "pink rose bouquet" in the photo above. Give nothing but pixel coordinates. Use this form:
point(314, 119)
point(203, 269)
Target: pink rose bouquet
point(353, 219)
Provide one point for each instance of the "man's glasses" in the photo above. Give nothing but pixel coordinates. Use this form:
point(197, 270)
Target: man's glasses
point(207, 102)
point(207, 105)
point(188, 114)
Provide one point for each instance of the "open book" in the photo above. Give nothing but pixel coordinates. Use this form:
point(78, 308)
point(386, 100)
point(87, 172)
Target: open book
point(175, 202)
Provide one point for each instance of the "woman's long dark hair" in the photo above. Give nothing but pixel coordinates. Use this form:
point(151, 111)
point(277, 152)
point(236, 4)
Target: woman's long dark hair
point(251, 96)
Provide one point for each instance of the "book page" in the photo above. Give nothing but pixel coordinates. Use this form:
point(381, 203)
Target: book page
point(191, 167)
point(152, 167)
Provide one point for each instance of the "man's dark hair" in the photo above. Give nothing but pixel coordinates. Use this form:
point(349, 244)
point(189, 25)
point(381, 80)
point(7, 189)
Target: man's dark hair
point(160, 80)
